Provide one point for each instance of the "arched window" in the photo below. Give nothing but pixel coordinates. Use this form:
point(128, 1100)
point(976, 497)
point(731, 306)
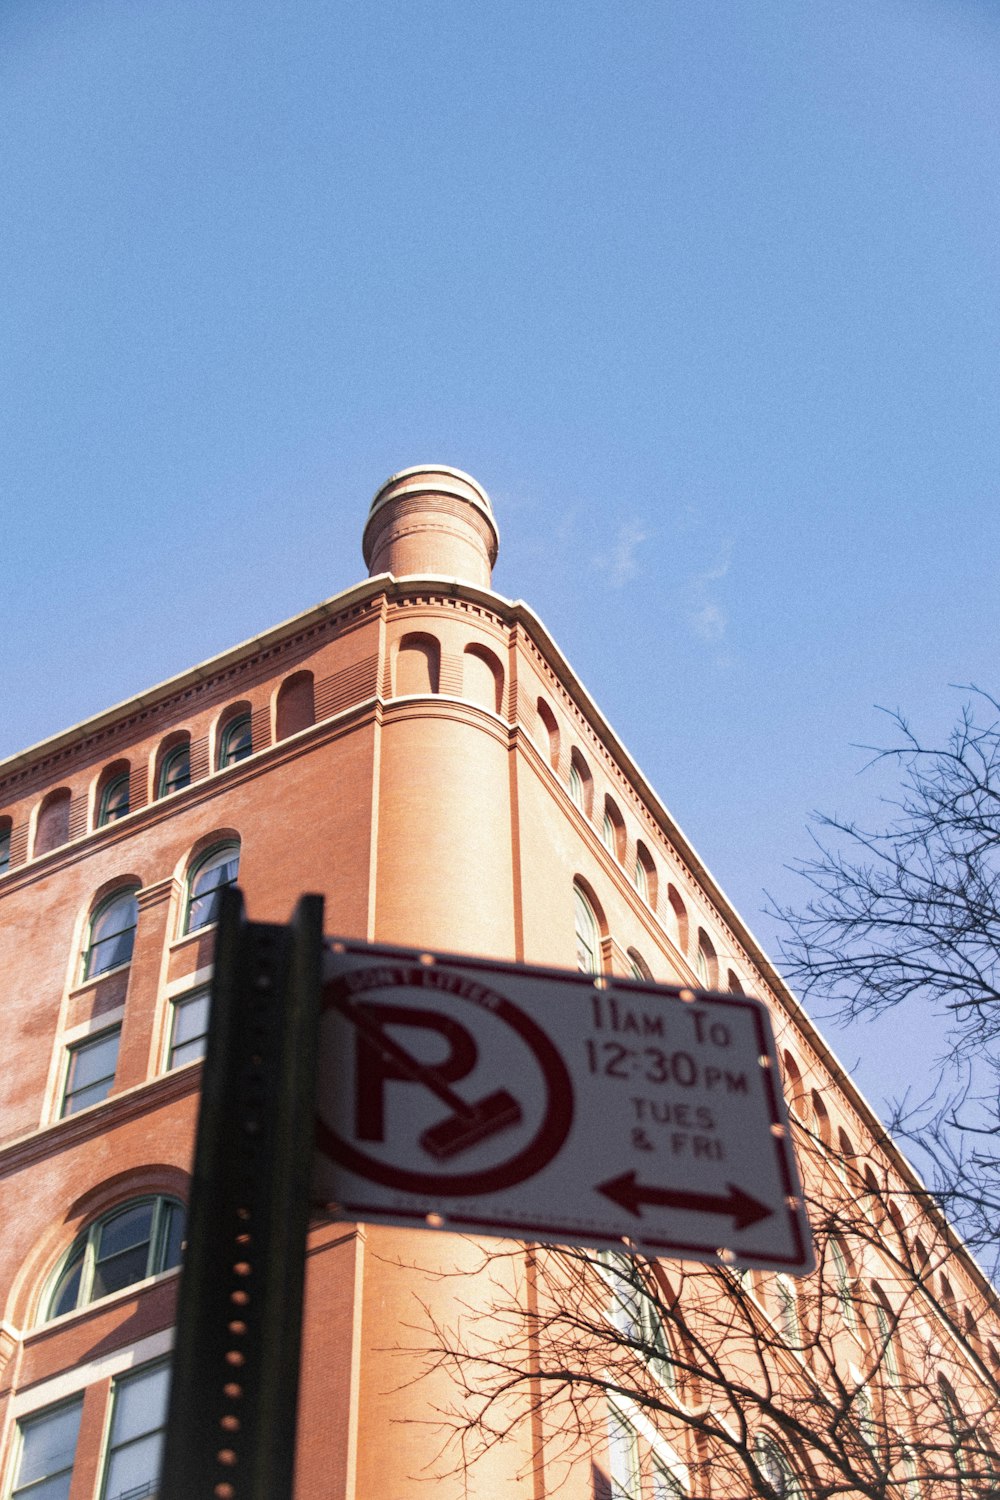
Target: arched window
point(482, 678)
point(679, 918)
point(588, 933)
point(705, 961)
point(886, 1351)
point(823, 1127)
point(635, 1313)
point(235, 741)
point(52, 828)
point(296, 706)
point(644, 875)
point(175, 768)
point(548, 722)
point(111, 935)
point(581, 785)
point(843, 1284)
point(775, 1466)
point(113, 795)
point(788, 1311)
point(212, 873)
point(418, 665)
point(640, 968)
point(794, 1088)
point(613, 830)
point(6, 828)
point(733, 984)
point(138, 1239)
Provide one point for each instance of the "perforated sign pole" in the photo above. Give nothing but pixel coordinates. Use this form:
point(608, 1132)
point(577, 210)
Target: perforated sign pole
point(234, 1391)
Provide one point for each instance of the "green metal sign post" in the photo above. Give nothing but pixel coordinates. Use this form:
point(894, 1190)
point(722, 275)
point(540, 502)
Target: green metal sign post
point(231, 1423)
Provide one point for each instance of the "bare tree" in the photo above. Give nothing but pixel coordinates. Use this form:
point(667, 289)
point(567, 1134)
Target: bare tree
point(677, 1379)
point(909, 915)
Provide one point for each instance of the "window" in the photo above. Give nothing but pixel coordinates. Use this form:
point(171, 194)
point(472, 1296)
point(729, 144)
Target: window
point(235, 742)
point(705, 961)
point(623, 1457)
point(613, 831)
point(91, 1071)
point(665, 1486)
point(887, 1349)
point(175, 770)
point(213, 872)
point(576, 784)
point(644, 875)
point(138, 1417)
point(788, 1312)
point(547, 719)
point(5, 831)
point(114, 799)
point(47, 1451)
point(641, 880)
point(588, 934)
point(123, 1247)
point(843, 1288)
point(776, 1469)
point(581, 783)
point(639, 967)
point(112, 933)
point(189, 1028)
point(634, 1312)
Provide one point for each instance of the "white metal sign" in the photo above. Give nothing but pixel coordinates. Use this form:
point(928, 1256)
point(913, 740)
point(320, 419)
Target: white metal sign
point(531, 1103)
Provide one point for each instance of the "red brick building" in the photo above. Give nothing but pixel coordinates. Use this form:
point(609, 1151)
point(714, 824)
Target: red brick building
point(418, 750)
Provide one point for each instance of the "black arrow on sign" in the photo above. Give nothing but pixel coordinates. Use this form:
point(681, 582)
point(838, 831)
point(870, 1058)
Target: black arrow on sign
point(631, 1195)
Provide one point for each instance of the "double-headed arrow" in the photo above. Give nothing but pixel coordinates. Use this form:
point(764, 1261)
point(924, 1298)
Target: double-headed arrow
point(631, 1195)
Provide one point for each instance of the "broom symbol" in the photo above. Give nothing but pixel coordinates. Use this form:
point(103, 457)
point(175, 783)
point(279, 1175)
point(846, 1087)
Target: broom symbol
point(468, 1124)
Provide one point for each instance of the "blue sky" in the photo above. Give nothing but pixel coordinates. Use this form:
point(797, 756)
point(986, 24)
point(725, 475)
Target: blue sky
point(704, 294)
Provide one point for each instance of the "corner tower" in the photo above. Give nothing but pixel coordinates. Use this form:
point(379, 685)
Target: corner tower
point(431, 520)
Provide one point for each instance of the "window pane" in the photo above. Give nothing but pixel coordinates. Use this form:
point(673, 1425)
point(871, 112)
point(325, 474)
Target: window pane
point(175, 772)
point(640, 880)
point(237, 742)
point(112, 935)
point(91, 1071)
point(665, 1486)
point(172, 1238)
point(48, 1446)
point(114, 800)
point(4, 849)
point(67, 1290)
point(140, 1410)
point(219, 869)
point(122, 1253)
point(190, 1028)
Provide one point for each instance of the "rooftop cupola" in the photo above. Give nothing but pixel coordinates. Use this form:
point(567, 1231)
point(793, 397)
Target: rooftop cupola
point(431, 519)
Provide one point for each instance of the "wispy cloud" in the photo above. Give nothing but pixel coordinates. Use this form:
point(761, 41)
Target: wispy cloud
point(621, 563)
point(706, 616)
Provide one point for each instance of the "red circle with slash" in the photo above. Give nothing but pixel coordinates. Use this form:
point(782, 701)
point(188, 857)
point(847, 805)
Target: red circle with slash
point(543, 1146)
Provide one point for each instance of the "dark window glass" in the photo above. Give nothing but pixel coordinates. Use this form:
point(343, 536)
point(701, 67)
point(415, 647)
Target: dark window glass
point(91, 1071)
point(138, 1240)
point(190, 1028)
point(218, 869)
point(4, 849)
point(114, 800)
point(112, 934)
point(48, 1448)
point(175, 770)
point(236, 743)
